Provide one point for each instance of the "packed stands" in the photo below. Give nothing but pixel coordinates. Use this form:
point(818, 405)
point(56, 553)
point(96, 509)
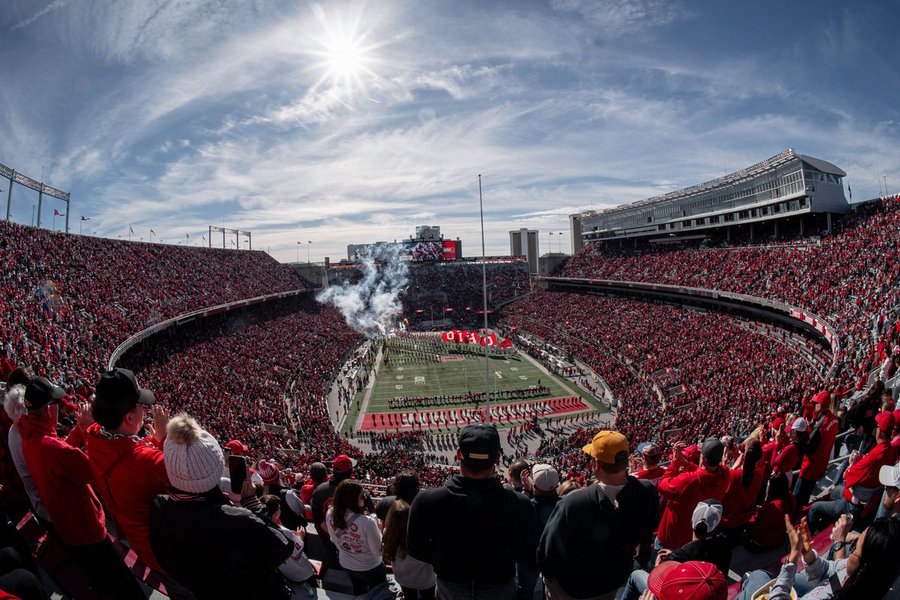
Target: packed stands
point(847, 276)
point(666, 364)
point(68, 301)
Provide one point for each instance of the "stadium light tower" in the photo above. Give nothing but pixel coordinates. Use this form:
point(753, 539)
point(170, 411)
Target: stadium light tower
point(487, 374)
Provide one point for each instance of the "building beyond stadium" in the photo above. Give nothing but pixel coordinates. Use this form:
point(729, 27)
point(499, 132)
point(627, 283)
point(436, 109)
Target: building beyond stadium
point(786, 195)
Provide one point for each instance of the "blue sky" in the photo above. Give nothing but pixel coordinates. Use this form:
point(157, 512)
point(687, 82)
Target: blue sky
point(347, 122)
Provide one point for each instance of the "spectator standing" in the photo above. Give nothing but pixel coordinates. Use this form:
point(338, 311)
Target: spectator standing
point(539, 483)
point(587, 548)
point(130, 470)
point(207, 545)
point(14, 404)
point(404, 487)
point(318, 474)
point(342, 467)
point(357, 537)
point(651, 454)
point(415, 578)
point(744, 483)
point(818, 451)
point(63, 477)
point(765, 530)
point(684, 485)
point(473, 530)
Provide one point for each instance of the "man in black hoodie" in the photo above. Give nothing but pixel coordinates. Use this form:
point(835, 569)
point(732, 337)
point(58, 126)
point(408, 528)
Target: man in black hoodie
point(473, 530)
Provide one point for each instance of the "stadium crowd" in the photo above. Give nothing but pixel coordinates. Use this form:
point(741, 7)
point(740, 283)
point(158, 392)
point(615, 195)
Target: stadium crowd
point(847, 277)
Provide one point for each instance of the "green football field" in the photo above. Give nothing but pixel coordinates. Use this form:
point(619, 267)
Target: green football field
point(405, 376)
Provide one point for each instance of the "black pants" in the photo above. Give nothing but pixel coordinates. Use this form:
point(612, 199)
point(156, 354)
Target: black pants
point(411, 594)
point(106, 569)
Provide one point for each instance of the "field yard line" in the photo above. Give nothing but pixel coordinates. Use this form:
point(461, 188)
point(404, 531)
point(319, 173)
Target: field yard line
point(369, 387)
point(562, 381)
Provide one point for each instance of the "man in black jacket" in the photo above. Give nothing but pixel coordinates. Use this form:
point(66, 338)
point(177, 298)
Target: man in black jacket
point(587, 547)
point(473, 530)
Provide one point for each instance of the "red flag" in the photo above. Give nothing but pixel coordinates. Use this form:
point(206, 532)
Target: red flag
point(489, 340)
point(56, 213)
point(447, 336)
point(473, 338)
point(506, 344)
point(457, 336)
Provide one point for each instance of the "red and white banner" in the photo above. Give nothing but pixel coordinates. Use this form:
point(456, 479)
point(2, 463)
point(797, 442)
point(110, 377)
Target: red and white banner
point(506, 344)
point(473, 338)
point(489, 340)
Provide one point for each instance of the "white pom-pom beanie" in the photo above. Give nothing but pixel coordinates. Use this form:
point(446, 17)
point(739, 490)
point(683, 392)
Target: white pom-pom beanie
point(194, 460)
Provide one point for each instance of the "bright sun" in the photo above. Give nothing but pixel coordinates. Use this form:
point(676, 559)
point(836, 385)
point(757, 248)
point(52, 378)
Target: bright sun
point(344, 52)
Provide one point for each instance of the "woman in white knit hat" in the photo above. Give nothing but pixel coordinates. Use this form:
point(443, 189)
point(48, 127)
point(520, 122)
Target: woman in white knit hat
point(207, 545)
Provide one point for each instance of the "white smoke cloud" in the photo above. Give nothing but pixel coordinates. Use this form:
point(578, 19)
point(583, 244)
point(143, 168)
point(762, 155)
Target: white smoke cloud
point(371, 305)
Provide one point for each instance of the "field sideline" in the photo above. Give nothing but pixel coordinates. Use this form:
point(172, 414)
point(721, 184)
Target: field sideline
point(407, 375)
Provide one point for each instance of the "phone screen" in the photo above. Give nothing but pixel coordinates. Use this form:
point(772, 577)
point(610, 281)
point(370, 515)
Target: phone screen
point(237, 472)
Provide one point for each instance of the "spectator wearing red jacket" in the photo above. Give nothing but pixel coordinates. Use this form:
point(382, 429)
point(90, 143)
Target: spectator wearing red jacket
point(861, 481)
point(62, 475)
point(818, 450)
point(763, 532)
point(684, 485)
point(744, 483)
point(788, 459)
point(130, 470)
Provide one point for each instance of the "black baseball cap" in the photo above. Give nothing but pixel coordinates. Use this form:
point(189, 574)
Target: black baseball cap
point(119, 386)
point(40, 392)
point(479, 442)
point(712, 450)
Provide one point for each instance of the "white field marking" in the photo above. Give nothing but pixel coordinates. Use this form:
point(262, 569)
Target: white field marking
point(514, 368)
point(400, 368)
point(523, 377)
point(399, 377)
point(498, 374)
point(399, 387)
point(420, 381)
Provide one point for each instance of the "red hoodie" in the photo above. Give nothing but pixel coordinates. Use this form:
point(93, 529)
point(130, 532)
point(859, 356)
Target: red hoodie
point(62, 476)
point(684, 485)
point(738, 503)
point(129, 475)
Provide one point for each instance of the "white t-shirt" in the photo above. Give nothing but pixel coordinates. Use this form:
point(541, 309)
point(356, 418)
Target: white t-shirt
point(359, 545)
point(297, 567)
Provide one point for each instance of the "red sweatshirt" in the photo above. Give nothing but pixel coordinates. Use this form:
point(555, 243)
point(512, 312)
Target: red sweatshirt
point(684, 485)
point(814, 465)
point(864, 473)
point(738, 503)
point(129, 475)
point(62, 475)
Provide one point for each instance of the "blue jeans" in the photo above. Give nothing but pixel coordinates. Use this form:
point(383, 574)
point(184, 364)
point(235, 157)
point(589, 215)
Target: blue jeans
point(636, 585)
point(756, 579)
point(826, 512)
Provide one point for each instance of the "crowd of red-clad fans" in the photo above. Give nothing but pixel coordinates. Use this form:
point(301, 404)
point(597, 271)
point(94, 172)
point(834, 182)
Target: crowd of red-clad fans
point(847, 277)
point(67, 301)
point(700, 362)
point(737, 428)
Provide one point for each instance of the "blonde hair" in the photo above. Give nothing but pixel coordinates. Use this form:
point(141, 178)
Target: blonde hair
point(184, 430)
point(14, 402)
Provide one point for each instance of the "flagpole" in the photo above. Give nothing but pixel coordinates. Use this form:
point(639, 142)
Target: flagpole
point(487, 374)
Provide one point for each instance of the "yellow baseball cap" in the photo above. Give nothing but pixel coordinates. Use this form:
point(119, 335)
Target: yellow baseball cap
point(610, 447)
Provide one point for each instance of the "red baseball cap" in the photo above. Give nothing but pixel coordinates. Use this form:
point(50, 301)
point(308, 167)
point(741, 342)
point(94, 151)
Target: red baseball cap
point(692, 580)
point(343, 464)
point(885, 421)
point(236, 447)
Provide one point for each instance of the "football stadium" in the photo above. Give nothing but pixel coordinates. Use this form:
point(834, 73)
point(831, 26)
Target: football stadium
point(696, 401)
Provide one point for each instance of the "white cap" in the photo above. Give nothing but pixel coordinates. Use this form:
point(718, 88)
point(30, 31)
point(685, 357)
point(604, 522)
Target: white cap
point(544, 477)
point(800, 425)
point(890, 475)
point(709, 512)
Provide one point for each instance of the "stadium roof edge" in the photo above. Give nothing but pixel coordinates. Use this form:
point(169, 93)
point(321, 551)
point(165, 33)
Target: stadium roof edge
point(783, 157)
